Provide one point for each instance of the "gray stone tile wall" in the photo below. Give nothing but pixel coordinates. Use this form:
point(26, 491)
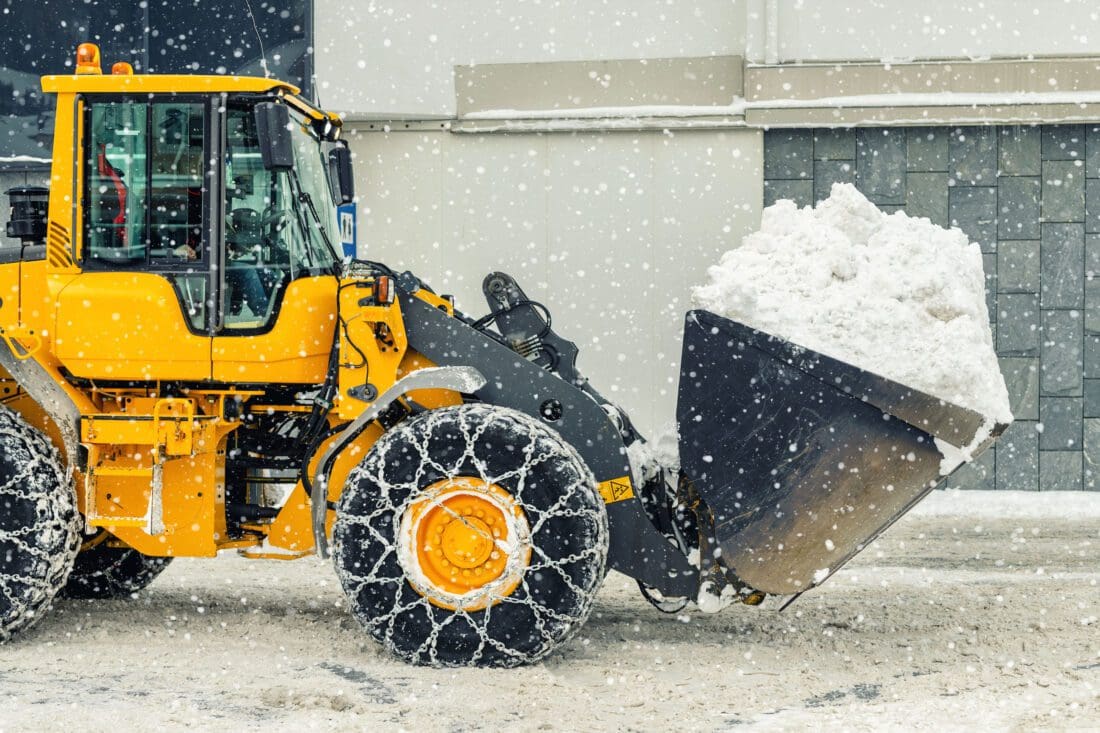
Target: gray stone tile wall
point(1018, 266)
point(974, 210)
point(1022, 379)
point(1020, 151)
point(1018, 207)
point(927, 150)
point(1062, 258)
point(926, 195)
point(880, 164)
point(1030, 196)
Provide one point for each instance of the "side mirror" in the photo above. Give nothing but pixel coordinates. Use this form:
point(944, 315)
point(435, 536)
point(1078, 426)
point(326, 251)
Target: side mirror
point(340, 173)
point(273, 131)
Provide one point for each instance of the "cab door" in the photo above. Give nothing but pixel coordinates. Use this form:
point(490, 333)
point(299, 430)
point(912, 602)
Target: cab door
point(140, 308)
point(277, 294)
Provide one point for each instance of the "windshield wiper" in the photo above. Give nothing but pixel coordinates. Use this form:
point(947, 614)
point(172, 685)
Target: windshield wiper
point(305, 198)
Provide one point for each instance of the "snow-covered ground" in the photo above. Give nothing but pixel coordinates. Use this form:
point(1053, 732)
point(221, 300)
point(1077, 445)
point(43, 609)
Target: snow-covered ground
point(956, 617)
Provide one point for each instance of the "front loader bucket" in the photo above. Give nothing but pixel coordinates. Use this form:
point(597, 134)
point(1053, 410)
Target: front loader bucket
point(802, 459)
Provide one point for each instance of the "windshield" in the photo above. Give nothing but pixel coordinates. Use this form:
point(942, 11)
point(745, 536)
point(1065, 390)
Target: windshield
point(280, 224)
point(311, 167)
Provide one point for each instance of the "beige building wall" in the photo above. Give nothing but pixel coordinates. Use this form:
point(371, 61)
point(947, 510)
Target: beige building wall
point(608, 229)
point(395, 58)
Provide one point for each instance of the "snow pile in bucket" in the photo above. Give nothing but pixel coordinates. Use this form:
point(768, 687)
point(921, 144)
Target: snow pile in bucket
point(891, 294)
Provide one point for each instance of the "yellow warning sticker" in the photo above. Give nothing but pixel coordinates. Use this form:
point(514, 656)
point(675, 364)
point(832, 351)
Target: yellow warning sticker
point(616, 489)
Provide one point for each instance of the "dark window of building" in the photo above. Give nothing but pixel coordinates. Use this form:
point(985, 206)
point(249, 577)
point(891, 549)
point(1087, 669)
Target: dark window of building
point(155, 36)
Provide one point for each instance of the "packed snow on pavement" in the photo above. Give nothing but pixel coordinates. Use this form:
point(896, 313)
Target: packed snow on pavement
point(960, 615)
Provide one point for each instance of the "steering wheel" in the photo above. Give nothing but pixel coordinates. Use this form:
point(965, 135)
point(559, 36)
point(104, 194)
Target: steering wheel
point(275, 220)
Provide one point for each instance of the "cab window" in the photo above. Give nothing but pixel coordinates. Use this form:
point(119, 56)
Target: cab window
point(145, 198)
point(145, 182)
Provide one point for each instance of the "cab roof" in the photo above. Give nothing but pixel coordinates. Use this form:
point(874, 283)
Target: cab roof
point(181, 84)
point(160, 83)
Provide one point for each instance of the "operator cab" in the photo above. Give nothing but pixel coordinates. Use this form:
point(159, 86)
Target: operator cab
point(224, 190)
point(152, 203)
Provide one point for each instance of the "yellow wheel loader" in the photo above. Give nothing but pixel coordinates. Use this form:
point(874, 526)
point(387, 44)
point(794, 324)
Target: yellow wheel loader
point(187, 366)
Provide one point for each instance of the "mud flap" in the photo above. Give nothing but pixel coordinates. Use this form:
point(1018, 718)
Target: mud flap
point(801, 459)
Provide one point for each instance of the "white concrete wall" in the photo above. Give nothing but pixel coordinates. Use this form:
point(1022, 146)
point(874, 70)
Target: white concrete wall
point(395, 57)
point(831, 30)
point(608, 229)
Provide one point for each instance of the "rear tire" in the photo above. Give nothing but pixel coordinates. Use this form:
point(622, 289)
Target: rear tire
point(103, 572)
point(483, 457)
point(39, 524)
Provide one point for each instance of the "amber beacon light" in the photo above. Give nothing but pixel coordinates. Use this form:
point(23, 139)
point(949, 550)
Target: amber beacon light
point(87, 59)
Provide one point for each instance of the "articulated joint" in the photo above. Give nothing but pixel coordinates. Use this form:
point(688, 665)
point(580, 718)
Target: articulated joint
point(463, 379)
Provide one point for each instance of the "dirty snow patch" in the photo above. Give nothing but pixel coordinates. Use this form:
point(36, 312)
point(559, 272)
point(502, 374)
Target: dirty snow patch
point(709, 600)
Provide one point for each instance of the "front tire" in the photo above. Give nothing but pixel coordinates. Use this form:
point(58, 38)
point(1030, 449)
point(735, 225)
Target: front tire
point(39, 524)
point(471, 536)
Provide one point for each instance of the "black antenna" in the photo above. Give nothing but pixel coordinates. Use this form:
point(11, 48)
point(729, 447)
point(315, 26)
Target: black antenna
point(263, 54)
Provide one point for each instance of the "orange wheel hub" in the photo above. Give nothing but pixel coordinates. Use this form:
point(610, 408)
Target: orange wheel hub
point(465, 544)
